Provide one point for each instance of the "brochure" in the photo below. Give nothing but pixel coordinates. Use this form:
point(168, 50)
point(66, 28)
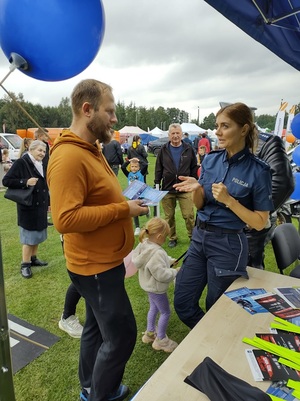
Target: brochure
point(290, 294)
point(140, 190)
point(243, 297)
point(276, 305)
point(287, 340)
point(280, 390)
point(265, 366)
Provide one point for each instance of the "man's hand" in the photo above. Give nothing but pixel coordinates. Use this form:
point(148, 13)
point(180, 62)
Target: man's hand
point(136, 208)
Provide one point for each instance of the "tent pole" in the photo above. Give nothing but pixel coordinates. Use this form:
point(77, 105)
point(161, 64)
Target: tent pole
point(6, 377)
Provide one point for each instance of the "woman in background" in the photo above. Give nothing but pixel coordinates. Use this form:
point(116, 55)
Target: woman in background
point(32, 220)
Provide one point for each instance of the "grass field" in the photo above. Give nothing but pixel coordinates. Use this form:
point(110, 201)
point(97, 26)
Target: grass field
point(53, 376)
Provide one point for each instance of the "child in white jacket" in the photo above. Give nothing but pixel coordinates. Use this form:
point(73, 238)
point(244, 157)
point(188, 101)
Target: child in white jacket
point(155, 274)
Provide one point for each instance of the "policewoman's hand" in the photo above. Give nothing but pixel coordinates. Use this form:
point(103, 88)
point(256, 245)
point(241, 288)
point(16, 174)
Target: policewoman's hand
point(220, 193)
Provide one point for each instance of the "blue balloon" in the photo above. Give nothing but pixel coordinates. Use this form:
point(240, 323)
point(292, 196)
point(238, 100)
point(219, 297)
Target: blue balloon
point(296, 194)
point(58, 38)
point(295, 126)
point(296, 155)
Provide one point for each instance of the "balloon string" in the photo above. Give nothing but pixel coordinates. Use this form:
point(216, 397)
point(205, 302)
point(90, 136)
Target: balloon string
point(22, 108)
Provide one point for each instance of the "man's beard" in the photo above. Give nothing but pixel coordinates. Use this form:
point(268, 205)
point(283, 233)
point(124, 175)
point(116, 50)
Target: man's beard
point(99, 130)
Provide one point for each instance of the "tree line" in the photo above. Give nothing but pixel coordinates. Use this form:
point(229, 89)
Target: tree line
point(146, 118)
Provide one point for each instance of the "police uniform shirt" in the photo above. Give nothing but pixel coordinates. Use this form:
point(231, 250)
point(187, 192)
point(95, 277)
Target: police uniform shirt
point(248, 180)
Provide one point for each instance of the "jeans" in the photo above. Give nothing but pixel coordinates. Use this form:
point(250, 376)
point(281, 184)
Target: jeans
point(213, 259)
point(109, 332)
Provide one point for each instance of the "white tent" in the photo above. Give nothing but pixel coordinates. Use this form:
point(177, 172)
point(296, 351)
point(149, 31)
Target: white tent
point(131, 130)
point(158, 132)
point(128, 133)
point(192, 129)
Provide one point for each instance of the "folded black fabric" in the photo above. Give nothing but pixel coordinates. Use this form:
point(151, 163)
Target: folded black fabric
point(219, 385)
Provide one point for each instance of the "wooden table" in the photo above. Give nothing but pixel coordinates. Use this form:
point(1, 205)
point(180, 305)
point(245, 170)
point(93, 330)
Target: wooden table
point(218, 335)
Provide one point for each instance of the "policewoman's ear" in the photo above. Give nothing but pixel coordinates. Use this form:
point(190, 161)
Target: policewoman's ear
point(245, 130)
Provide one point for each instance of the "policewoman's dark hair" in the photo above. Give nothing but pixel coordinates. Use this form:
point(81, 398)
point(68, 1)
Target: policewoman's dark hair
point(241, 114)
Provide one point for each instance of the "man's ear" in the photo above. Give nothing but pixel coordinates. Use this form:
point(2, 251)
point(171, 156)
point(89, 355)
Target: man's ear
point(86, 108)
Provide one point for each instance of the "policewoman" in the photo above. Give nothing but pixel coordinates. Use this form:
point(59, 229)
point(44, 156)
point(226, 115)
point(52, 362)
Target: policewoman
point(233, 191)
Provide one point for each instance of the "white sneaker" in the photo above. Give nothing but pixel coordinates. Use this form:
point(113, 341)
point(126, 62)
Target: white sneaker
point(71, 326)
point(137, 231)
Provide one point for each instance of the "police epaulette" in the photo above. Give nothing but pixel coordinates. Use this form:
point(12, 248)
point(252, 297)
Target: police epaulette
point(258, 160)
point(264, 136)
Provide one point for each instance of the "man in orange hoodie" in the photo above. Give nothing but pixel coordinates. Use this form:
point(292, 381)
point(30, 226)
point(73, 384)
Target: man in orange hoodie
point(88, 208)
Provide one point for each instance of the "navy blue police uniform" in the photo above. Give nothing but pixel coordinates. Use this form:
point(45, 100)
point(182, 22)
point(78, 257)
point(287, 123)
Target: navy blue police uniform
point(218, 252)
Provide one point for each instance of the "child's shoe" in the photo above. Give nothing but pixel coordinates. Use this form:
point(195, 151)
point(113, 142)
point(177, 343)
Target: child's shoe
point(165, 344)
point(148, 337)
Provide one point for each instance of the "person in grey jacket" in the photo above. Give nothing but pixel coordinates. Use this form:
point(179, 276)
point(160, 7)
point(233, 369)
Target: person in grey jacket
point(176, 158)
point(155, 275)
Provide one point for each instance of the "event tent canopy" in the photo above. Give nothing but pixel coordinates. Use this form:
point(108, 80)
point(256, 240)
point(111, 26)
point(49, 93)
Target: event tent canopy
point(131, 130)
point(192, 129)
point(273, 23)
point(158, 132)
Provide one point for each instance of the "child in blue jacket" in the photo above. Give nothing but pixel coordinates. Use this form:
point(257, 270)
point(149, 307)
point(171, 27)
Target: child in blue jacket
point(131, 168)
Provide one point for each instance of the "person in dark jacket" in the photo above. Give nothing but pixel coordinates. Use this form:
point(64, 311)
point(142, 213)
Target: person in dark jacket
point(176, 158)
point(137, 151)
point(112, 152)
point(271, 149)
point(32, 220)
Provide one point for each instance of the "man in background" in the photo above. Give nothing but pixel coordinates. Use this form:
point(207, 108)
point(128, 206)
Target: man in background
point(89, 209)
point(186, 139)
point(174, 159)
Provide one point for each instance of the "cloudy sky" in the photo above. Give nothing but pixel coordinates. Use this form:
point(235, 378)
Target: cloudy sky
point(174, 53)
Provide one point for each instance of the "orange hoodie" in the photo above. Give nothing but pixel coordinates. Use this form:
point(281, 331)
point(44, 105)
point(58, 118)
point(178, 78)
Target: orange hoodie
point(87, 206)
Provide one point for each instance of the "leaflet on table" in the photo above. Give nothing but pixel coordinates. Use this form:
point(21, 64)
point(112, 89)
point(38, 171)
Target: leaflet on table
point(276, 305)
point(265, 366)
point(244, 297)
point(140, 190)
point(290, 294)
point(280, 390)
point(284, 339)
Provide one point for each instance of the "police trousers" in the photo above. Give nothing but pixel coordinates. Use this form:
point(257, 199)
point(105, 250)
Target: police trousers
point(215, 260)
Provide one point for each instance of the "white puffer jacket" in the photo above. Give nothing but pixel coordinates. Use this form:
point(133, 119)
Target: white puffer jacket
point(153, 264)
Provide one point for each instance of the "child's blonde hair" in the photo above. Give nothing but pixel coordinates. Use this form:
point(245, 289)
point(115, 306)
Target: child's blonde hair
point(156, 225)
point(134, 162)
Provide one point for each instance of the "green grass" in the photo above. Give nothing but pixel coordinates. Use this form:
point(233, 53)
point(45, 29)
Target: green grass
point(40, 300)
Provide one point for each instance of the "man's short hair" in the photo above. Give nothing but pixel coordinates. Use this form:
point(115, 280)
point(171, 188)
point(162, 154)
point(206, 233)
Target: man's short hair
point(88, 90)
point(175, 125)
